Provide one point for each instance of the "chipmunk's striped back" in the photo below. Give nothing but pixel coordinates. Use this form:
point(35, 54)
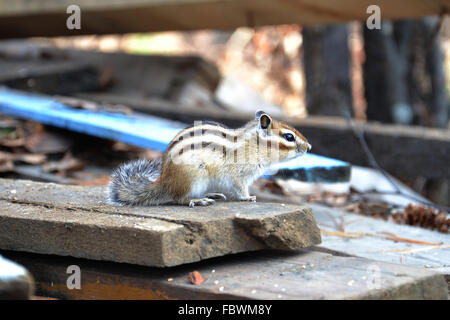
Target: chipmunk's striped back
point(207, 160)
point(203, 134)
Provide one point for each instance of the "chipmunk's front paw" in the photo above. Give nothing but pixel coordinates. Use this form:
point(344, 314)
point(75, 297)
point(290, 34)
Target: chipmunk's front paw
point(250, 199)
point(201, 202)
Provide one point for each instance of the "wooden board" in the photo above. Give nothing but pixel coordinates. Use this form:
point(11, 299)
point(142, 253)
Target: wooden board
point(26, 65)
point(350, 234)
point(143, 131)
point(373, 242)
point(77, 221)
point(22, 18)
point(271, 275)
point(55, 77)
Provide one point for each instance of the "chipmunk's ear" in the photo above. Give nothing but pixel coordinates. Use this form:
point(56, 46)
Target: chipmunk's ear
point(264, 119)
point(258, 114)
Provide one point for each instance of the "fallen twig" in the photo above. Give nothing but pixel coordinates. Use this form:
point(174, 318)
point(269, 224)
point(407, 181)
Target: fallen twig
point(384, 235)
point(413, 250)
point(342, 234)
point(396, 238)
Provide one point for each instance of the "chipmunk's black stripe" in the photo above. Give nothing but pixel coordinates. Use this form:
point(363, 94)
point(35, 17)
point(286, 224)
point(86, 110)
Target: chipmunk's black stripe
point(257, 144)
point(202, 145)
point(191, 132)
point(191, 136)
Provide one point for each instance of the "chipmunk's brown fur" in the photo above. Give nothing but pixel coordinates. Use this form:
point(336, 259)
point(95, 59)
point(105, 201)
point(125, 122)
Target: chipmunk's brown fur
point(208, 161)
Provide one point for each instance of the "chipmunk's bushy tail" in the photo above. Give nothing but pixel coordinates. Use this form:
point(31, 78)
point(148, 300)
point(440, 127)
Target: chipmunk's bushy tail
point(136, 183)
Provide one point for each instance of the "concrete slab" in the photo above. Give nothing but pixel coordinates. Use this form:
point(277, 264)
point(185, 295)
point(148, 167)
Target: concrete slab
point(76, 221)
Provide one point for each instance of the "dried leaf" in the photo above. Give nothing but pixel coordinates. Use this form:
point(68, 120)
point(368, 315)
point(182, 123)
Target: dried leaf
point(12, 143)
point(34, 158)
point(6, 166)
point(47, 142)
point(104, 179)
point(24, 157)
point(123, 147)
point(78, 103)
point(93, 106)
point(273, 187)
point(67, 163)
point(5, 156)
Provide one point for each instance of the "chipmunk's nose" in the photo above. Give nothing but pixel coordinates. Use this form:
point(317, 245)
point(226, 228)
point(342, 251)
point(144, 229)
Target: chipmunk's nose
point(304, 146)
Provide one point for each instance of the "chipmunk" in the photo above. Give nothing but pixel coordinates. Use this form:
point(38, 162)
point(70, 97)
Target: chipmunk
point(207, 162)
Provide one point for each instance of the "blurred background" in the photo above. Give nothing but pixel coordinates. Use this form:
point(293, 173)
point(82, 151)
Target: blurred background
point(278, 61)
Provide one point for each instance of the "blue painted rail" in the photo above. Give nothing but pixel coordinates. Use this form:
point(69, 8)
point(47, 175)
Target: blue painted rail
point(146, 131)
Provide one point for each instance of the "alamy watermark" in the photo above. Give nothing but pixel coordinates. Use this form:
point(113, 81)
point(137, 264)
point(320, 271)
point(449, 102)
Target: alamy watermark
point(73, 22)
point(374, 20)
point(74, 280)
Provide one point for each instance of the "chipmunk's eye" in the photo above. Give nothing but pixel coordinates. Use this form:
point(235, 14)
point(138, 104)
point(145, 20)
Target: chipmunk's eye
point(289, 136)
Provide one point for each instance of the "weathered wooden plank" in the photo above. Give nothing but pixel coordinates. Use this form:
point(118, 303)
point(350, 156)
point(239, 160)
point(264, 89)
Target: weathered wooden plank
point(271, 275)
point(76, 221)
point(60, 78)
point(23, 18)
point(28, 66)
point(373, 244)
point(401, 150)
point(145, 131)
